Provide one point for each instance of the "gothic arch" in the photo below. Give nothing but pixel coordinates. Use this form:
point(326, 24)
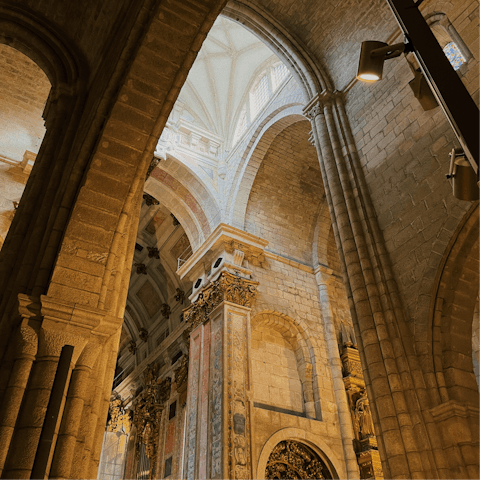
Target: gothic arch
point(315, 442)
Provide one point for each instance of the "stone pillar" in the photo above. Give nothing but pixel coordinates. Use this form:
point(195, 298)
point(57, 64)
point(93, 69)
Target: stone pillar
point(219, 404)
point(407, 437)
point(324, 279)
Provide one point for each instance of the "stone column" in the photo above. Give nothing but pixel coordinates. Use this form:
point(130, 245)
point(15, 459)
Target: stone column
point(219, 403)
point(23, 349)
point(324, 279)
point(72, 415)
point(406, 435)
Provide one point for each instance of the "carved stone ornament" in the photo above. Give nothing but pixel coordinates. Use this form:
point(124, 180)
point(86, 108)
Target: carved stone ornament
point(153, 164)
point(153, 252)
point(180, 296)
point(143, 334)
point(291, 459)
point(255, 256)
point(120, 421)
point(141, 268)
point(149, 200)
point(228, 288)
point(181, 373)
point(165, 310)
point(132, 347)
point(147, 412)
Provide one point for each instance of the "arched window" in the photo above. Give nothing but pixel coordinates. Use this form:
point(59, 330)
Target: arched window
point(259, 96)
point(454, 55)
point(451, 42)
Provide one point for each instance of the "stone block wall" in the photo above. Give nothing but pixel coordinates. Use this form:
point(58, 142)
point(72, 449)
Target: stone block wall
point(404, 154)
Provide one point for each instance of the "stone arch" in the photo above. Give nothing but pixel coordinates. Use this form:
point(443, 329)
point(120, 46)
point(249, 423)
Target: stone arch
point(182, 211)
point(455, 299)
point(33, 36)
point(314, 441)
point(198, 187)
point(253, 158)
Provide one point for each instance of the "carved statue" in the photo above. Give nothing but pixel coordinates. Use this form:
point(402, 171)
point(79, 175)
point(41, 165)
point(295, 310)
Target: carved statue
point(363, 416)
point(181, 373)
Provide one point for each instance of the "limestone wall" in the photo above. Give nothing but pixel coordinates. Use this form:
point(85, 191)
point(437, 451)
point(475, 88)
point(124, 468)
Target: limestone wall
point(404, 153)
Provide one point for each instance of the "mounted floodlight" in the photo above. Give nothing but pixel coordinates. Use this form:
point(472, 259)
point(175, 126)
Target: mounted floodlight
point(462, 177)
point(372, 56)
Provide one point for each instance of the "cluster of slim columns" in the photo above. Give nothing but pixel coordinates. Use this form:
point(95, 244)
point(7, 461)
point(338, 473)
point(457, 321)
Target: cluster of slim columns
point(324, 282)
point(394, 383)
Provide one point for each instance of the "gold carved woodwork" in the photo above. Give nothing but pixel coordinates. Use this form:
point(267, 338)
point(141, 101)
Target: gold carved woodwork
point(181, 374)
point(291, 459)
point(365, 444)
point(227, 287)
point(147, 412)
point(120, 421)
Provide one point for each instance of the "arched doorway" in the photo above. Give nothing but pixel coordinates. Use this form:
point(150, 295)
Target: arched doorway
point(292, 459)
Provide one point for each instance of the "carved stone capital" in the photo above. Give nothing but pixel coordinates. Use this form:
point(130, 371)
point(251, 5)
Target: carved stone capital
point(227, 287)
point(319, 102)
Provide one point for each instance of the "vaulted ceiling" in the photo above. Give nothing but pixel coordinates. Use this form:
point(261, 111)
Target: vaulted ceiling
point(229, 61)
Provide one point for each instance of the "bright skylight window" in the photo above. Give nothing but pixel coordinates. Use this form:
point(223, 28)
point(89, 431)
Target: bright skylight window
point(260, 96)
point(454, 55)
point(279, 73)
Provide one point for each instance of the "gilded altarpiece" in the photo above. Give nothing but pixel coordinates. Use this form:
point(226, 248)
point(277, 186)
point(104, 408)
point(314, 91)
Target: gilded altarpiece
point(218, 425)
point(365, 441)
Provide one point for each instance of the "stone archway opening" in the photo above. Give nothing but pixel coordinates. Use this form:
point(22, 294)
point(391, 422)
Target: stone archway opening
point(295, 460)
point(25, 89)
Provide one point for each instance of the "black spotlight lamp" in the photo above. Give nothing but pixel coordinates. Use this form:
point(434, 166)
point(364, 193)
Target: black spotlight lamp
point(462, 177)
point(372, 56)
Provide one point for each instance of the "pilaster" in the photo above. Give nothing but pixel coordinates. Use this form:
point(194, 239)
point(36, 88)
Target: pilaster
point(219, 404)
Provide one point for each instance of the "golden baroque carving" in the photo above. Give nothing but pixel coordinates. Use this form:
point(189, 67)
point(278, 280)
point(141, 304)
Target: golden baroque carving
point(119, 417)
point(148, 410)
point(181, 373)
point(291, 459)
point(227, 287)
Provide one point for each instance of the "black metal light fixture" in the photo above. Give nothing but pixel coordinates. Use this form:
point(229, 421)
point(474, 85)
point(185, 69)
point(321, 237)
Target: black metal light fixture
point(462, 177)
point(448, 89)
point(372, 56)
